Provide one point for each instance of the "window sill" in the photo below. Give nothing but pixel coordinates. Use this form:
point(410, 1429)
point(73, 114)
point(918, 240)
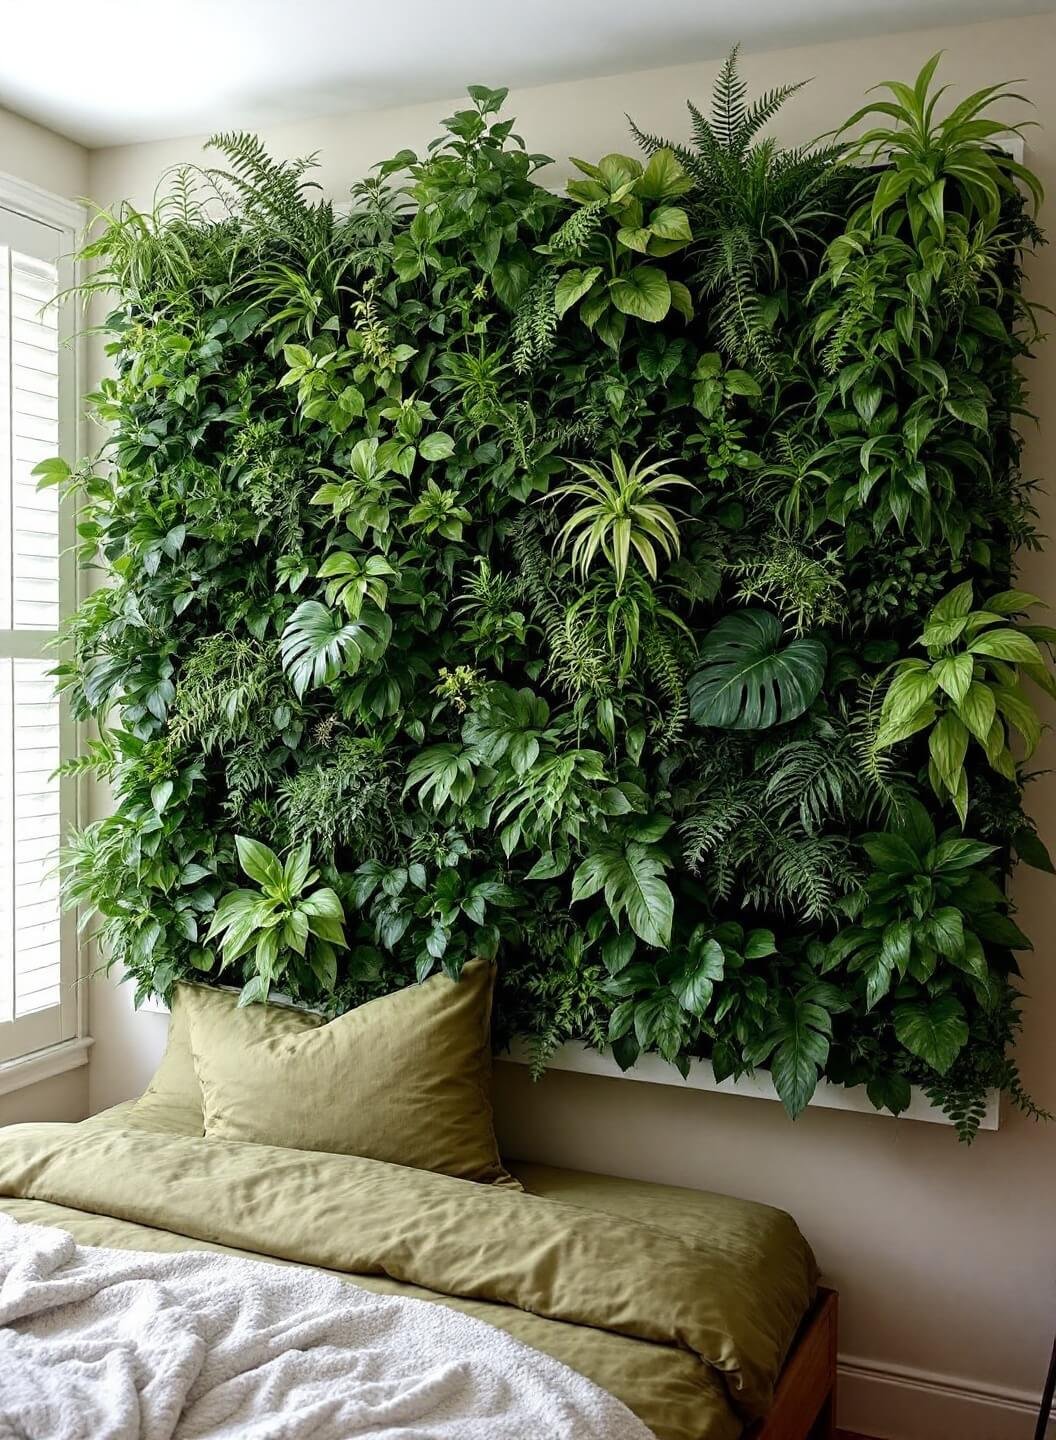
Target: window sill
point(652, 1070)
point(43, 1064)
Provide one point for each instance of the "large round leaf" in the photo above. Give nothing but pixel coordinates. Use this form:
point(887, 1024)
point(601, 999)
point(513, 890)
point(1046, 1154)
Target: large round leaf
point(751, 678)
point(643, 292)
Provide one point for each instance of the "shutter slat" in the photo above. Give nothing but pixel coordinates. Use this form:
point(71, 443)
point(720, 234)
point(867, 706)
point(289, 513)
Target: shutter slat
point(30, 824)
point(31, 973)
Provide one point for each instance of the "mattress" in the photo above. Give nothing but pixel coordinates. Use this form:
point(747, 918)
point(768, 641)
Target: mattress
point(683, 1304)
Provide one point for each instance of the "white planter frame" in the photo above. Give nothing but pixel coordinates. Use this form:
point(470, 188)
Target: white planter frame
point(652, 1070)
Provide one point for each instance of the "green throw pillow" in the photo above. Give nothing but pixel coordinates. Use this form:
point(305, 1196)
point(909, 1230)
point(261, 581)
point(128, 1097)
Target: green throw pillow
point(173, 1099)
point(405, 1078)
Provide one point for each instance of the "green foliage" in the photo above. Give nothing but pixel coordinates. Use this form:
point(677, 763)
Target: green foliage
point(626, 211)
point(923, 919)
point(759, 213)
point(540, 576)
point(969, 688)
point(316, 645)
point(285, 928)
point(751, 678)
point(621, 513)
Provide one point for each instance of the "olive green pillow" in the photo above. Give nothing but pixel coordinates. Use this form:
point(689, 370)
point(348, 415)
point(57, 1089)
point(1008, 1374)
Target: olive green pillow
point(405, 1078)
point(173, 1099)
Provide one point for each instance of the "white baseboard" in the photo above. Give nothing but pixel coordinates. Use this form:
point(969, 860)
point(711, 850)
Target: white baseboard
point(902, 1404)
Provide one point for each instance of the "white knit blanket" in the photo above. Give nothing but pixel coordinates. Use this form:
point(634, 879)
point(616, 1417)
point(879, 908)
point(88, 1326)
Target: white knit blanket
point(116, 1345)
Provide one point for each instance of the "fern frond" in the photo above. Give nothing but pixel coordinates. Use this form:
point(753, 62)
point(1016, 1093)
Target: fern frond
point(650, 143)
point(763, 110)
point(578, 661)
point(572, 237)
point(878, 766)
point(268, 191)
point(535, 323)
point(666, 670)
point(728, 103)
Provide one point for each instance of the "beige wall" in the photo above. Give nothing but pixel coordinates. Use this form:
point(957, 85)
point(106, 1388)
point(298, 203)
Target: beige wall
point(62, 1097)
point(47, 160)
point(29, 152)
point(944, 1255)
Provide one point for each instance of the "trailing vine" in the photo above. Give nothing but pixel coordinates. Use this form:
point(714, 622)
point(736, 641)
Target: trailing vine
point(618, 583)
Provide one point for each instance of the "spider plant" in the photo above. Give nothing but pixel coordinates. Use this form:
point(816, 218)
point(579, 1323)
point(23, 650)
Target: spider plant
point(924, 154)
point(621, 513)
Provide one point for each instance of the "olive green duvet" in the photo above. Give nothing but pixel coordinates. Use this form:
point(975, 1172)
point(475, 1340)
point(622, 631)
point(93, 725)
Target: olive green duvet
point(681, 1304)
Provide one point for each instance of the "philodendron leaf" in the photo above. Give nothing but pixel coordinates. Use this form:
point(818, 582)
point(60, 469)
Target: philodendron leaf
point(647, 895)
point(890, 1092)
point(750, 677)
point(643, 292)
point(933, 1030)
point(664, 177)
point(632, 877)
point(694, 985)
point(573, 285)
point(799, 1042)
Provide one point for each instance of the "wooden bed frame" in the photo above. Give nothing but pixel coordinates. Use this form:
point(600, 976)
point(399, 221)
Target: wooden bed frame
point(805, 1399)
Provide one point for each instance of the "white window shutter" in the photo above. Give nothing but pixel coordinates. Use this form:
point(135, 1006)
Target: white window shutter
point(37, 945)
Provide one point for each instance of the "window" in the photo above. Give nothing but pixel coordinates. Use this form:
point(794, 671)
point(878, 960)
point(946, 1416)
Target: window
point(38, 956)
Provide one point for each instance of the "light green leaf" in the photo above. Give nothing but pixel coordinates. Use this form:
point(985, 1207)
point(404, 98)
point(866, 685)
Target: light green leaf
point(913, 686)
point(664, 177)
point(159, 794)
point(643, 292)
point(295, 871)
point(259, 863)
point(53, 471)
point(254, 991)
point(954, 675)
point(955, 604)
point(670, 222)
point(947, 744)
point(977, 710)
point(573, 285)
point(437, 446)
point(681, 299)
point(739, 382)
point(1019, 712)
point(1006, 644)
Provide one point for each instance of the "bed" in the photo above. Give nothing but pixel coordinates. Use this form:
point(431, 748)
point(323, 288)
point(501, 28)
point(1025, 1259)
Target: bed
point(700, 1312)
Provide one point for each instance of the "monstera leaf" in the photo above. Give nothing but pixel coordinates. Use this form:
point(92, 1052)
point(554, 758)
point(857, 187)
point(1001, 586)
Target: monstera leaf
point(316, 645)
point(751, 679)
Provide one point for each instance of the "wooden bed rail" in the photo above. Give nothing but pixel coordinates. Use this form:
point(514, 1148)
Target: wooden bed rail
point(805, 1399)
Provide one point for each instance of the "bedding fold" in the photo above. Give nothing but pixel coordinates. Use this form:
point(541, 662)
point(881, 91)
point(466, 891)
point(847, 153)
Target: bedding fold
point(363, 1217)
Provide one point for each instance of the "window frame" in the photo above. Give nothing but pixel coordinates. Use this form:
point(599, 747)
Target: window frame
point(28, 1044)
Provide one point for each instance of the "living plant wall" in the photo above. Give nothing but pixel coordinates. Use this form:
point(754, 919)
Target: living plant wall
point(618, 582)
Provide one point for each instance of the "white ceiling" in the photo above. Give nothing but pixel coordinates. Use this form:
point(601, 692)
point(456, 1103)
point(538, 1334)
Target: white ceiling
point(117, 71)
